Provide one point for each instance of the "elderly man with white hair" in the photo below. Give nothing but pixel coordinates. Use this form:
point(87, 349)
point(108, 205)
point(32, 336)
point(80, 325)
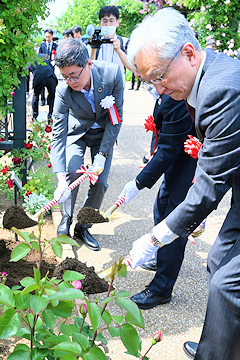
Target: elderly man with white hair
point(163, 51)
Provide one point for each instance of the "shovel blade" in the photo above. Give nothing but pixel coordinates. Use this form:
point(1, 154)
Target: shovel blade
point(111, 217)
point(103, 274)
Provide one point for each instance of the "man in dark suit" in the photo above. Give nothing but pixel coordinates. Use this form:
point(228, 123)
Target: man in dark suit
point(80, 121)
point(43, 76)
point(164, 51)
point(49, 47)
point(173, 123)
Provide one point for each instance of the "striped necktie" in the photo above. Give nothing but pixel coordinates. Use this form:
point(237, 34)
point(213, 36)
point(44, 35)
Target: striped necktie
point(191, 110)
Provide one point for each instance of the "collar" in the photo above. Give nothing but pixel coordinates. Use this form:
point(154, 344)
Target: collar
point(192, 98)
point(92, 87)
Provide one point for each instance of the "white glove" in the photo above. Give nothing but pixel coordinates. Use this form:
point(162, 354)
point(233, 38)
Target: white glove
point(62, 192)
point(142, 251)
point(130, 190)
point(98, 164)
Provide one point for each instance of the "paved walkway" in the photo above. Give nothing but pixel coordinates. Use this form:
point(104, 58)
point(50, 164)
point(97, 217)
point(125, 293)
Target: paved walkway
point(182, 318)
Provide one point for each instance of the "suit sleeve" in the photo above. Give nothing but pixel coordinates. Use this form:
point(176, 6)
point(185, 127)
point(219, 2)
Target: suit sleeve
point(60, 131)
point(176, 125)
point(111, 131)
point(218, 159)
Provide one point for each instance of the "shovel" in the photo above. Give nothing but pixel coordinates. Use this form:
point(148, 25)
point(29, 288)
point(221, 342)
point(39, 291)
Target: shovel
point(105, 273)
point(109, 213)
point(93, 178)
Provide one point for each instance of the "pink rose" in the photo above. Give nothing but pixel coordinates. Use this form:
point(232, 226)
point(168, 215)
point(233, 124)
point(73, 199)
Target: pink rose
point(77, 284)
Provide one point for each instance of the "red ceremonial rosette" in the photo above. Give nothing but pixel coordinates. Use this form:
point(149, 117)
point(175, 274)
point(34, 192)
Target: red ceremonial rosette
point(151, 126)
point(192, 146)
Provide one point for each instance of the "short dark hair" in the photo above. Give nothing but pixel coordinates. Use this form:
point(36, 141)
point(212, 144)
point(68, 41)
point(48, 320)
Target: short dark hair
point(77, 29)
point(71, 52)
point(109, 10)
point(68, 32)
point(49, 31)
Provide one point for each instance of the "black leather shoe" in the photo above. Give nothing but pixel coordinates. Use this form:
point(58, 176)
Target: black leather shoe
point(137, 89)
point(145, 160)
point(190, 349)
point(86, 238)
point(131, 88)
point(150, 265)
point(64, 226)
point(42, 102)
point(146, 300)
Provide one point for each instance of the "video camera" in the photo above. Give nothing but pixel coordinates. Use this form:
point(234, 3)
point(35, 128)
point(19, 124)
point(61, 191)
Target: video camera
point(97, 39)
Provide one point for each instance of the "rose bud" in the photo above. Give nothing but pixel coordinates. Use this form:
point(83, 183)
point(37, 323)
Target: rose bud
point(28, 145)
point(157, 336)
point(49, 165)
point(48, 129)
point(3, 273)
point(83, 309)
point(77, 284)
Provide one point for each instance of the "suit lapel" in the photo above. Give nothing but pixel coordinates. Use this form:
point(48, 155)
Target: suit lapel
point(83, 103)
point(99, 90)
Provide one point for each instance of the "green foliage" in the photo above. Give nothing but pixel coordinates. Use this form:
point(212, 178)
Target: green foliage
point(129, 16)
point(41, 311)
point(34, 202)
point(36, 149)
point(18, 24)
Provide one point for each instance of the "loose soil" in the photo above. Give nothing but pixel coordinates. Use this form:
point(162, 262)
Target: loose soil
point(16, 216)
point(88, 215)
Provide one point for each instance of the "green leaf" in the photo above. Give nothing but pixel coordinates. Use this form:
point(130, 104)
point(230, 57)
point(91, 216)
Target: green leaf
point(57, 339)
point(122, 294)
point(107, 300)
point(20, 251)
point(123, 271)
point(24, 235)
point(6, 296)
point(19, 355)
point(81, 339)
point(130, 339)
point(74, 348)
point(37, 275)
point(38, 303)
point(117, 319)
point(114, 331)
point(107, 317)
point(38, 354)
point(131, 320)
point(35, 245)
point(29, 289)
point(130, 307)
point(49, 318)
point(89, 357)
point(10, 323)
point(72, 276)
point(98, 353)
point(94, 313)
point(69, 357)
point(22, 302)
point(57, 248)
point(101, 338)
point(63, 309)
point(67, 240)
point(27, 281)
point(67, 329)
point(24, 332)
point(67, 294)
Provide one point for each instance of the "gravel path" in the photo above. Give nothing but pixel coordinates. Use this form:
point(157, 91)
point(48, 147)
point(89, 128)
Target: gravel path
point(182, 318)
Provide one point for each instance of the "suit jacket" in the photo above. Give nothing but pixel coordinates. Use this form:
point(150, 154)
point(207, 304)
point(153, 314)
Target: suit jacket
point(73, 115)
point(43, 47)
point(218, 124)
point(174, 124)
point(41, 72)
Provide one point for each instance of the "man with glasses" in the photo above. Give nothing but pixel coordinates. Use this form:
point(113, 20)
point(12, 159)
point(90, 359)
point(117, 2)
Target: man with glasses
point(210, 83)
point(79, 121)
point(109, 21)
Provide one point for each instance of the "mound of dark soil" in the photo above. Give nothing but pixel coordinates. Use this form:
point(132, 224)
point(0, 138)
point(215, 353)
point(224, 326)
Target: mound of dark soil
point(88, 215)
point(15, 216)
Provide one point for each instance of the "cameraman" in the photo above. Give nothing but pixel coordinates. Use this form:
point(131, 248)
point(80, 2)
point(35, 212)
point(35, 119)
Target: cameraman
point(109, 21)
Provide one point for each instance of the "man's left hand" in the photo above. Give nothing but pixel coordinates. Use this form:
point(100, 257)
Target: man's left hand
point(142, 251)
point(98, 164)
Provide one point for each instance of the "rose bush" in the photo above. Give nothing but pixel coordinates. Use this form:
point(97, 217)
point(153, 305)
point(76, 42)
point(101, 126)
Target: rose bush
point(41, 311)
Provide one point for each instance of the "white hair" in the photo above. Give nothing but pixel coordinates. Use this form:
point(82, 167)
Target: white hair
point(166, 32)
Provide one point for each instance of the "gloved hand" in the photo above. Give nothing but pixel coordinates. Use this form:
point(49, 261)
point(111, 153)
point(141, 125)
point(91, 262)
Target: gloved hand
point(62, 192)
point(130, 190)
point(98, 164)
point(142, 251)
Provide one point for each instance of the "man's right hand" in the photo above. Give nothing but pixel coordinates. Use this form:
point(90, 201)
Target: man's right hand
point(62, 192)
point(130, 190)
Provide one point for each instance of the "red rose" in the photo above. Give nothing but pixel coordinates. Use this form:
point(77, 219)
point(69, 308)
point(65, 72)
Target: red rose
point(10, 183)
point(49, 148)
point(28, 145)
point(157, 336)
point(48, 129)
point(1, 139)
point(16, 160)
point(5, 170)
point(28, 193)
point(49, 165)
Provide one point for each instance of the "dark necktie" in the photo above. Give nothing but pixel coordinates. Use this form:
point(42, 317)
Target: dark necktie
point(48, 49)
point(191, 111)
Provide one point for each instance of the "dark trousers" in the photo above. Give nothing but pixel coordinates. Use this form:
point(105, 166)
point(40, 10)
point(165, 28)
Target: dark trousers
point(50, 83)
point(221, 331)
point(169, 257)
point(133, 82)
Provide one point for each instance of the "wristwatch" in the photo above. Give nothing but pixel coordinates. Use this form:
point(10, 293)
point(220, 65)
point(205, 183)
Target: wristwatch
point(103, 154)
point(155, 240)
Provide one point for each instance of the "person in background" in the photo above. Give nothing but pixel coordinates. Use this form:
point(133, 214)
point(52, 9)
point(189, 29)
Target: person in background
point(133, 82)
point(49, 47)
point(211, 44)
point(109, 21)
point(163, 50)
point(68, 34)
point(81, 122)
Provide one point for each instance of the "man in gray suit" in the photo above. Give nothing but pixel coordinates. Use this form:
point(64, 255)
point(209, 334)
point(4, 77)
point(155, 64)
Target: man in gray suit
point(79, 121)
point(163, 51)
